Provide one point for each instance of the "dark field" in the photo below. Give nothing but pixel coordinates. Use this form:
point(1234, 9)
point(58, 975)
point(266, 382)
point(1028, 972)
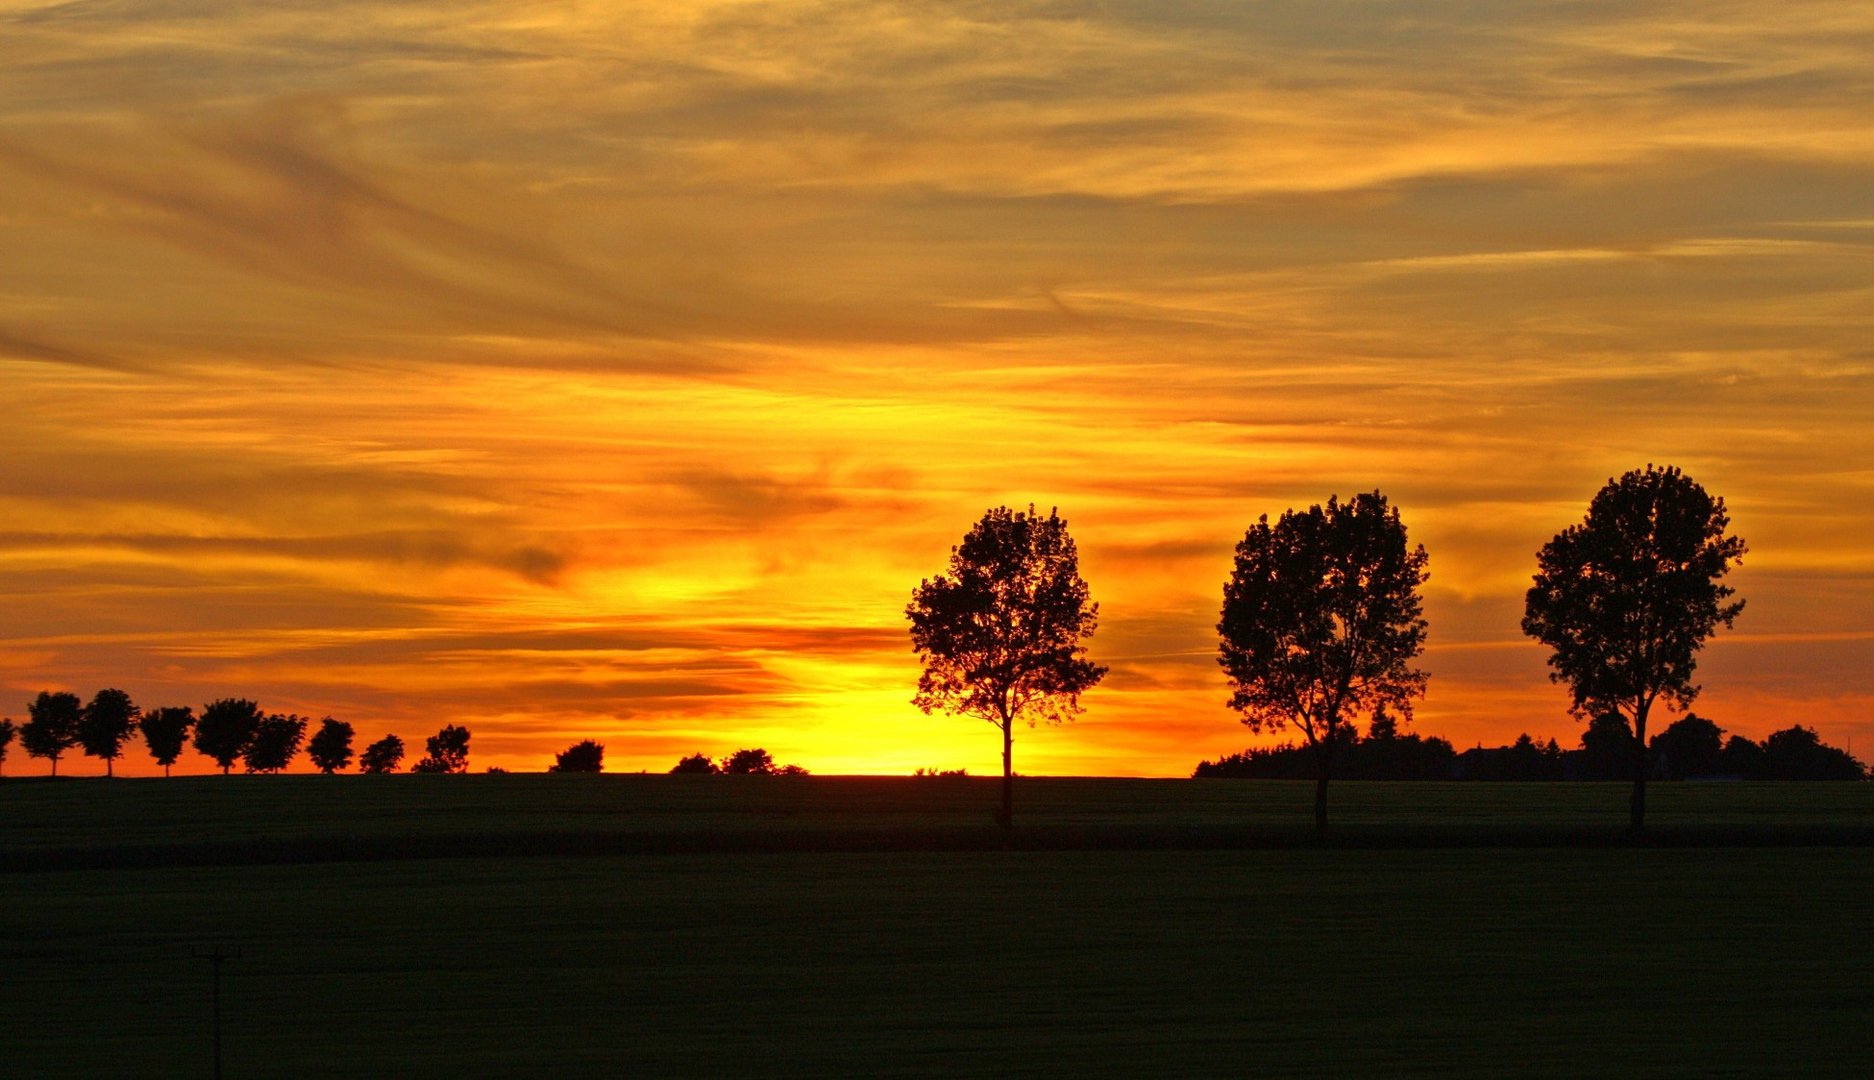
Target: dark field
point(1469, 960)
point(245, 819)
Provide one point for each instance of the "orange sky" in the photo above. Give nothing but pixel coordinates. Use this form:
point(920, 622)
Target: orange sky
point(582, 370)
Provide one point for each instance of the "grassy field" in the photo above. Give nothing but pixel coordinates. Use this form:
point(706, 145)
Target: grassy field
point(246, 819)
point(1470, 960)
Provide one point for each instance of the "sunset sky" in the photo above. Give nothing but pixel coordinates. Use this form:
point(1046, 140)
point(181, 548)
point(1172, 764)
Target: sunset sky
point(615, 370)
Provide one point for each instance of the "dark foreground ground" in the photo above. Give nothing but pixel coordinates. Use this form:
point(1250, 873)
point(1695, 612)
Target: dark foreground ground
point(1471, 959)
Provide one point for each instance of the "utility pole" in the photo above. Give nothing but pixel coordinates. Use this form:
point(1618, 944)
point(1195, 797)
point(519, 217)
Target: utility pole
point(215, 957)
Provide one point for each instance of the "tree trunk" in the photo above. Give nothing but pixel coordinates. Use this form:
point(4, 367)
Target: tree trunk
point(1006, 816)
point(108, 772)
point(55, 764)
point(1636, 812)
point(1323, 758)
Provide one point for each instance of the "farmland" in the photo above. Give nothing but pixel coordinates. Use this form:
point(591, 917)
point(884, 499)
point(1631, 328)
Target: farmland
point(799, 928)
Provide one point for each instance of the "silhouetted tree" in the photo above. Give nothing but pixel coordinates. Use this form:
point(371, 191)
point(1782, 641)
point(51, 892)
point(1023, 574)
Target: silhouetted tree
point(382, 756)
point(1531, 760)
point(166, 732)
point(1690, 746)
point(695, 763)
point(1000, 636)
point(584, 756)
point(225, 729)
point(1383, 727)
point(1798, 753)
point(751, 762)
point(51, 726)
point(792, 770)
point(447, 752)
point(7, 731)
point(1606, 749)
point(1625, 599)
point(1403, 757)
point(1523, 760)
point(330, 746)
point(107, 723)
point(1390, 754)
point(1321, 620)
point(275, 743)
point(1743, 758)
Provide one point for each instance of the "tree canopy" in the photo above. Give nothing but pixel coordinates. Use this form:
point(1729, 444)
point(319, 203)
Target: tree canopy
point(695, 763)
point(753, 761)
point(275, 743)
point(1625, 600)
point(445, 752)
point(51, 726)
point(1001, 635)
point(166, 732)
point(584, 756)
point(108, 722)
point(1798, 753)
point(7, 731)
point(330, 746)
point(1691, 746)
point(1606, 749)
point(226, 727)
point(1321, 620)
point(382, 756)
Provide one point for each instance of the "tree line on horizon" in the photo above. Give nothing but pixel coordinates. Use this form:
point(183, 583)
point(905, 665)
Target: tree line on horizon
point(229, 730)
point(235, 729)
point(1691, 748)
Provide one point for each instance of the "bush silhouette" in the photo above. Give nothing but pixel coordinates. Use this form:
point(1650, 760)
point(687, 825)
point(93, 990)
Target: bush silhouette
point(447, 752)
point(747, 763)
point(382, 756)
point(585, 756)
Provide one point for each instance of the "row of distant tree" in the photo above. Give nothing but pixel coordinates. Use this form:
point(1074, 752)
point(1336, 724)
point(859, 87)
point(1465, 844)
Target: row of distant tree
point(235, 730)
point(1692, 748)
point(228, 731)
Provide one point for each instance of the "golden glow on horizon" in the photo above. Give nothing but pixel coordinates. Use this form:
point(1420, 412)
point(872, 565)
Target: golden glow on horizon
point(615, 373)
